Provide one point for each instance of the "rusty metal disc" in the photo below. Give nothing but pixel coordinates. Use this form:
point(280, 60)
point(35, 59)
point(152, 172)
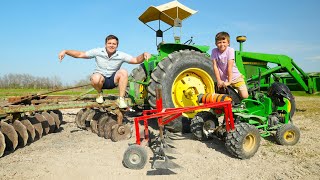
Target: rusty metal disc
point(37, 126)
point(120, 132)
point(56, 120)
point(108, 127)
point(44, 123)
point(22, 133)
point(102, 120)
point(89, 119)
point(84, 117)
point(2, 144)
point(11, 136)
point(30, 129)
point(94, 121)
point(94, 126)
point(59, 113)
point(49, 118)
point(78, 117)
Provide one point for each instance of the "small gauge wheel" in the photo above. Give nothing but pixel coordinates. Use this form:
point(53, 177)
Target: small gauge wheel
point(135, 157)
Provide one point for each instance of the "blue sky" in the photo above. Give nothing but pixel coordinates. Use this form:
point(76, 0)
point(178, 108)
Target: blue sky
point(33, 32)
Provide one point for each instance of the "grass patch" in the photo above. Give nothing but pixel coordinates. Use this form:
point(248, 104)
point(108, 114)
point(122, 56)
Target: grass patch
point(5, 93)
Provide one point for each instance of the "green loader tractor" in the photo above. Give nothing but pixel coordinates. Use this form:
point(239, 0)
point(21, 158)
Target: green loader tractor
point(184, 71)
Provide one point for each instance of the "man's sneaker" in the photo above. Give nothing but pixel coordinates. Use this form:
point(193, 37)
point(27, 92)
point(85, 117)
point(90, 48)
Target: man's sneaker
point(99, 99)
point(121, 103)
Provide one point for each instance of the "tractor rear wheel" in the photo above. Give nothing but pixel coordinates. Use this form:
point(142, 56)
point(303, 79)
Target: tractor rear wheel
point(288, 134)
point(244, 141)
point(138, 74)
point(182, 76)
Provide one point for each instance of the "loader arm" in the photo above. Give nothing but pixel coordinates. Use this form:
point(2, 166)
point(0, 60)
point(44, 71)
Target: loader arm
point(249, 63)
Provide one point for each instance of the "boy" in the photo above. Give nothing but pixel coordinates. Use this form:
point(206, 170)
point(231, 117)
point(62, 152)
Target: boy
point(224, 67)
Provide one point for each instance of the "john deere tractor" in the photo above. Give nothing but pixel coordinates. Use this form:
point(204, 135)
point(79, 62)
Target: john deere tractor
point(184, 71)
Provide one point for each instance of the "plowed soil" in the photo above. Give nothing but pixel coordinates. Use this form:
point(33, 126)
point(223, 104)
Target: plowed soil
point(73, 153)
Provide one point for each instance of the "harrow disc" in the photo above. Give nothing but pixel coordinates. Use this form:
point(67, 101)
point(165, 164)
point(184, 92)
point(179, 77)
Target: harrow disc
point(108, 127)
point(30, 130)
point(84, 118)
point(2, 144)
point(11, 136)
point(59, 113)
point(88, 120)
point(49, 118)
point(120, 132)
point(22, 133)
point(56, 119)
point(44, 123)
point(37, 126)
point(94, 126)
point(94, 122)
point(78, 117)
point(102, 121)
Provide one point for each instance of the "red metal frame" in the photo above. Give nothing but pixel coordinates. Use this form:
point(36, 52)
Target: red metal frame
point(169, 114)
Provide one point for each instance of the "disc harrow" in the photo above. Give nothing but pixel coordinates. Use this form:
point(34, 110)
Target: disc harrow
point(26, 119)
point(105, 122)
point(17, 133)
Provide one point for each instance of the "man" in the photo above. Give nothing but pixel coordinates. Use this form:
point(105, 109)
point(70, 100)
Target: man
point(108, 74)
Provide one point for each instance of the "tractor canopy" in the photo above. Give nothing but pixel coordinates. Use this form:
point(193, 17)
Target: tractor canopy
point(170, 13)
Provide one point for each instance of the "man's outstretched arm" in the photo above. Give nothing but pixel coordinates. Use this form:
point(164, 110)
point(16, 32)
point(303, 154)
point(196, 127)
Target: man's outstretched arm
point(72, 53)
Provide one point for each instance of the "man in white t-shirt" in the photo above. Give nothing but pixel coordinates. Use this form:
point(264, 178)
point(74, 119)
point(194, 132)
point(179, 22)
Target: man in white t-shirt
point(108, 74)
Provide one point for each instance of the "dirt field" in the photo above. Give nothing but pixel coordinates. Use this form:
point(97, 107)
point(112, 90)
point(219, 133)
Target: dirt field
point(79, 154)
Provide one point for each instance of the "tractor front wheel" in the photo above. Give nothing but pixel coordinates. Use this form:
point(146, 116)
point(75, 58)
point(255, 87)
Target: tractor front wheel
point(244, 141)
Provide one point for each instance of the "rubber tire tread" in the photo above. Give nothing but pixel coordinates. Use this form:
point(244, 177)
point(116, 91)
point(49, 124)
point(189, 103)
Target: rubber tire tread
point(141, 151)
point(137, 74)
point(235, 139)
point(284, 128)
point(165, 73)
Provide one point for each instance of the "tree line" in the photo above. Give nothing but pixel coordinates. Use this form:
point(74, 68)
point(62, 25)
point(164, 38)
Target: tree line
point(32, 82)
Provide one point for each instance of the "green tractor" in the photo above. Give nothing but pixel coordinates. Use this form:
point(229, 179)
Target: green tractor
point(184, 72)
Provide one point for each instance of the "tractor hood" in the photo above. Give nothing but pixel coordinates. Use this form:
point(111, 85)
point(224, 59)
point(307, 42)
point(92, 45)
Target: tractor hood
point(167, 13)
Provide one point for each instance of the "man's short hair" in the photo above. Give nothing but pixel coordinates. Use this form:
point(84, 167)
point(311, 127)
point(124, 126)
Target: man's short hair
point(112, 37)
point(222, 36)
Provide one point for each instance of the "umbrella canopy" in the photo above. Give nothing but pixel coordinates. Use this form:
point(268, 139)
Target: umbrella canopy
point(167, 13)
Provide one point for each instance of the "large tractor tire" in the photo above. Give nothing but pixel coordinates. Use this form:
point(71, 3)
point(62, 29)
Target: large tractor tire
point(182, 76)
point(278, 91)
point(139, 74)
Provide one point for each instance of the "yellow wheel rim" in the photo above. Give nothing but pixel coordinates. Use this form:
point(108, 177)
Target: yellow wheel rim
point(249, 142)
point(188, 85)
point(289, 136)
point(142, 92)
point(288, 104)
